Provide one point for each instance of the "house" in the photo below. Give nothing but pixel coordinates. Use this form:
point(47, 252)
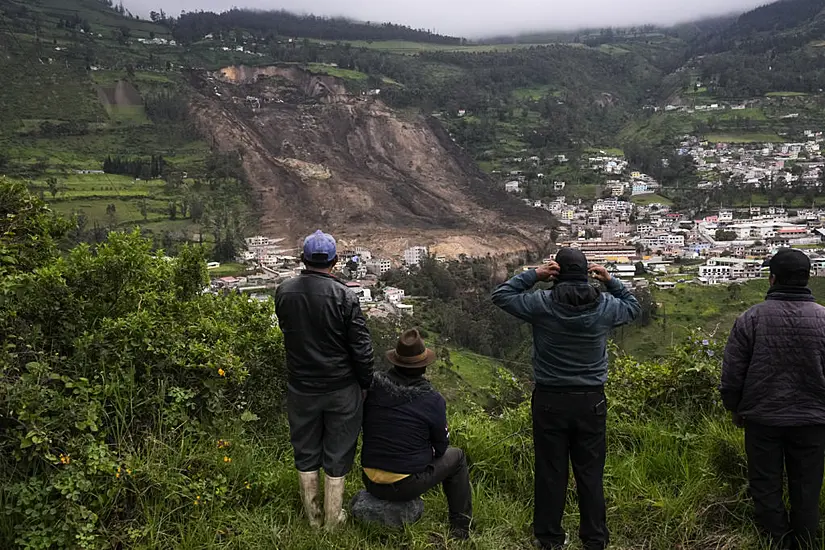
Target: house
point(404, 309)
point(512, 187)
point(665, 285)
point(393, 295)
point(559, 185)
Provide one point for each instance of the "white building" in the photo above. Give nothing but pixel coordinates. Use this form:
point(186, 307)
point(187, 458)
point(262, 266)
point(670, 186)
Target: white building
point(258, 240)
point(730, 269)
point(394, 295)
point(512, 186)
point(414, 255)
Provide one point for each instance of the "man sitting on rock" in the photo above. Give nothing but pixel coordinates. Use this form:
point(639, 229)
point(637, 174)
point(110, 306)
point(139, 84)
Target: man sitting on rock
point(406, 448)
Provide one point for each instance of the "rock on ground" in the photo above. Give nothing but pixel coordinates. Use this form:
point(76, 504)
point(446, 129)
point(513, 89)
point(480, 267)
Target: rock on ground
point(369, 509)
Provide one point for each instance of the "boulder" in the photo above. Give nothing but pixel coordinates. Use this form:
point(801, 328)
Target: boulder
point(369, 509)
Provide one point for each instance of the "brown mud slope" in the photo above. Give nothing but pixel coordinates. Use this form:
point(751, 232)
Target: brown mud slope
point(319, 157)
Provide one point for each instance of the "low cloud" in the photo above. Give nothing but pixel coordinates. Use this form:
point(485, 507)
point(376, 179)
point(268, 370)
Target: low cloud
point(474, 18)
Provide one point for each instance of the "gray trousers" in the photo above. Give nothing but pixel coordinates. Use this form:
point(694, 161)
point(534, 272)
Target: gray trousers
point(324, 429)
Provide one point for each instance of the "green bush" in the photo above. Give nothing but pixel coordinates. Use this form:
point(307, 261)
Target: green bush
point(106, 352)
point(684, 383)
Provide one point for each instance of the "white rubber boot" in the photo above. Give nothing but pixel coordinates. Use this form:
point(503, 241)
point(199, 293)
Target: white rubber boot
point(334, 514)
point(308, 483)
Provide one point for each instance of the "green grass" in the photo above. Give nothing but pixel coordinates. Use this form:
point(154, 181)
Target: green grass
point(78, 186)
point(346, 74)
point(651, 199)
point(711, 308)
point(127, 211)
point(534, 93)
point(611, 151)
point(744, 137)
point(786, 94)
point(228, 270)
point(582, 191)
point(668, 485)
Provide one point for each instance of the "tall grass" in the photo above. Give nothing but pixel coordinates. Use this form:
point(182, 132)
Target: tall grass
point(670, 485)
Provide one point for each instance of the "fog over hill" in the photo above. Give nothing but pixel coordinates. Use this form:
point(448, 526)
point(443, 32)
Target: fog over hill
point(475, 18)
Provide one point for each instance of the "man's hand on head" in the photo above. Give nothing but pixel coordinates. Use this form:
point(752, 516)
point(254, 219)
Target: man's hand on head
point(548, 271)
point(599, 272)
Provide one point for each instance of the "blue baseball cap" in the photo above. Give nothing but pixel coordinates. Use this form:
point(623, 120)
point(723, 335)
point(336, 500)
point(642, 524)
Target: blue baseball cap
point(320, 248)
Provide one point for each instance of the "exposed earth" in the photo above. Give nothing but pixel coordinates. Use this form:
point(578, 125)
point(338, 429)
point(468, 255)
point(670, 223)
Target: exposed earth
point(317, 156)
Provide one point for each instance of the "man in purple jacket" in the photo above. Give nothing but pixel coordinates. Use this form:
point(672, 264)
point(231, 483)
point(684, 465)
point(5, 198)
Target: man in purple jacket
point(773, 381)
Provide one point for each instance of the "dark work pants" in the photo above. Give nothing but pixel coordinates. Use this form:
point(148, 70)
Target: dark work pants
point(450, 471)
point(569, 426)
point(324, 429)
point(801, 451)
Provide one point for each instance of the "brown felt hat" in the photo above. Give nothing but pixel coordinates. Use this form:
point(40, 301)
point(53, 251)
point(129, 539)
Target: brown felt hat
point(410, 352)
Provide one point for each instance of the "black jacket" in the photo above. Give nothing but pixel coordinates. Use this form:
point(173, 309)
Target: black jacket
point(774, 367)
point(328, 345)
point(405, 424)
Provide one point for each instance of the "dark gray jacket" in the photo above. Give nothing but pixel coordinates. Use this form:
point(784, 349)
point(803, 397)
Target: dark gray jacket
point(569, 335)
point(774, 367)
point(328, 345)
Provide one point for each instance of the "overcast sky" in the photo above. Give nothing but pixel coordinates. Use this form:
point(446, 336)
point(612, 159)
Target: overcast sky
point(473, 18)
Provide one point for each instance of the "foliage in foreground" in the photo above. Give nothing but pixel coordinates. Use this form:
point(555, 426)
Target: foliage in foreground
point(106, 353)
point(139, 413)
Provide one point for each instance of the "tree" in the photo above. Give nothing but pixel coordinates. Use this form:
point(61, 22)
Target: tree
point(111, 213)
point(173, 210)
point(724, 235)
point(54, 186)
point(144, 209)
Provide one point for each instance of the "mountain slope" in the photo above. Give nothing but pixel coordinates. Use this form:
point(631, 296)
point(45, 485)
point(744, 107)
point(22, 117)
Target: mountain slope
point(316, 156)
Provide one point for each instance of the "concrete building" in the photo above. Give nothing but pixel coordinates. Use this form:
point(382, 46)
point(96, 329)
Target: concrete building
point(414, 255)
point(378, 266)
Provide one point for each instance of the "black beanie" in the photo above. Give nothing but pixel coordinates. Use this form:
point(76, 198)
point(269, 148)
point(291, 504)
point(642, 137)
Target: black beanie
point(572, 265)
point(791, 267)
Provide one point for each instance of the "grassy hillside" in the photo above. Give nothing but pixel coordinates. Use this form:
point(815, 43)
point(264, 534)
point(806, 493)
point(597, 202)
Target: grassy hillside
point(160, 424)
point(84, 89)
point(712, 309)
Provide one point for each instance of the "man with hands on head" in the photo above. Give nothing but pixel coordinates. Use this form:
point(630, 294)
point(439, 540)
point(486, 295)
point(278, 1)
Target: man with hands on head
point(571, 325)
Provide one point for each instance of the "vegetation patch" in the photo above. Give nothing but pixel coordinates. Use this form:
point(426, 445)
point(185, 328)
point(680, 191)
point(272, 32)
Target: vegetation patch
point(745, 138)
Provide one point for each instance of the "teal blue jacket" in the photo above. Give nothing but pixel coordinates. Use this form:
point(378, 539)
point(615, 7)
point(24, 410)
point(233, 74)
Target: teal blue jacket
point(569, 342)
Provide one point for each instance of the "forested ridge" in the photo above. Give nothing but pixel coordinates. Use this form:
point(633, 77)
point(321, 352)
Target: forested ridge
point(193, 26)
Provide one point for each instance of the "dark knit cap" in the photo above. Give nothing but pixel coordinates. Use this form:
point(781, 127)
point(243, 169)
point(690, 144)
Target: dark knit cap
point(791, 267)
point(572, 265)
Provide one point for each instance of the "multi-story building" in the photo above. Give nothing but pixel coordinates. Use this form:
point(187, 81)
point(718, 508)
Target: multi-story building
point(603, 251)
point(414, 255)
point(730, 269)
point(379, 266)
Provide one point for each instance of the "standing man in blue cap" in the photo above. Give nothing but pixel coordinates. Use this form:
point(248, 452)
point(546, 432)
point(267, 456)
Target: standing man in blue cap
point(330, 363)
point(571, 325)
